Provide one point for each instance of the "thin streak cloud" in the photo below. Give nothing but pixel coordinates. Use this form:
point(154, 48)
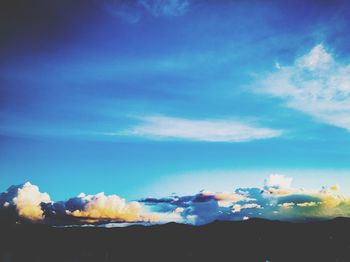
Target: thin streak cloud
point(172, 128)
point(133, 11)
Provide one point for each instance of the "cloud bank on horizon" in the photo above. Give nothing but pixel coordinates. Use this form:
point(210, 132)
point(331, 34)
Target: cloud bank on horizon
point(276, 200)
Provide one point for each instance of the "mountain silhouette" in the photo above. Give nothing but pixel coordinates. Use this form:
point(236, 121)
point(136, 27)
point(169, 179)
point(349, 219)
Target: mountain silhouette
point(250, 240)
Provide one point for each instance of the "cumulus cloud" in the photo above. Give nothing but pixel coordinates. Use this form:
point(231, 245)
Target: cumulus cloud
point(226, 199)
point(238, 208)
point(111, 207)
point(316, 84)
point(163, 127)
point(276, 199)
point(200, 208)
point(27, 202)
point(278, 181)
point(279, 185)
point(26, 199)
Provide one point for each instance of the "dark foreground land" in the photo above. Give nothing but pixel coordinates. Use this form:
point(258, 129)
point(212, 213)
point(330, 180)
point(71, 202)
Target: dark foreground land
point(252, 240)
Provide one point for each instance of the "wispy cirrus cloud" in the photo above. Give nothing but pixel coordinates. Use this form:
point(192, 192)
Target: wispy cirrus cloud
point(133, 11)
point(166, 7)
point(316, 84)
point(172, 128)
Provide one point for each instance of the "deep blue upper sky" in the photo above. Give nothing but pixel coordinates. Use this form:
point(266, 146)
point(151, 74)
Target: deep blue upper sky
point(121, 96)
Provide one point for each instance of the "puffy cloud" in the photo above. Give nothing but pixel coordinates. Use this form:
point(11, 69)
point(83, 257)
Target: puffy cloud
point(287, 204)
point(278, 181)
point(201, 208)
point(276, 199)
point(279, 185)
point(111, 207)
point(301, 204)
point(307, 204)
point(27, 200)
point(226, 196)
point(238, 208)
point(163, 127)
point(227, 199)
point(315, 84)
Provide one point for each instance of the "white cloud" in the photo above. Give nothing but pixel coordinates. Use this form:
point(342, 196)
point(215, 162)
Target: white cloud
point(278, 181)
point(280, 185)
point(238, 208)
point(287, 205)
point(226, 199)
point(317, 58)
point(307, 204)
point(111, 207)
point(276, 200)
point(163, 127)
point(27, 199)
point(315, 84)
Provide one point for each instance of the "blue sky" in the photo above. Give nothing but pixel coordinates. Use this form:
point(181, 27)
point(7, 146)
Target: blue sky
point(129, 96)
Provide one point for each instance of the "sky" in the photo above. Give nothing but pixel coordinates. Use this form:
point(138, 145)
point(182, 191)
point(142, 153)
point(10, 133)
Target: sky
point(158, 97)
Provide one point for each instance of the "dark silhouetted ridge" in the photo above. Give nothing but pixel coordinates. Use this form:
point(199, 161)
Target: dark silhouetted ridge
point(250, 240)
